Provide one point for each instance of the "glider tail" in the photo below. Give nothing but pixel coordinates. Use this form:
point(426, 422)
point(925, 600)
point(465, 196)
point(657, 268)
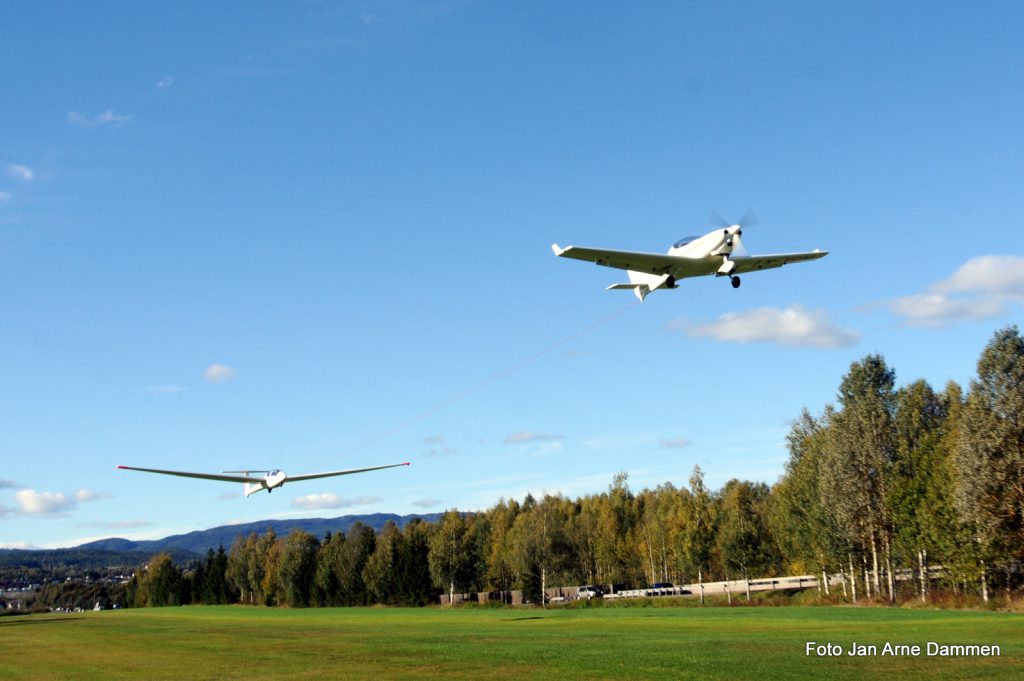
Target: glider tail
point(252, 488)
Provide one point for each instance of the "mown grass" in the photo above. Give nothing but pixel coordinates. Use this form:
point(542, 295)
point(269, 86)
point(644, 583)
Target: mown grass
point(489, 643)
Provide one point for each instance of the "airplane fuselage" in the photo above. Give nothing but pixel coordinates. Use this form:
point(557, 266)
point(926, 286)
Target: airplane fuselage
point(272, 480)
point(719, 252)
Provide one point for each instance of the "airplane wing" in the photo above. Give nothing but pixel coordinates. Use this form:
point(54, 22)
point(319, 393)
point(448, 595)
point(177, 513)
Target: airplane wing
point(311, 476)
point(753, 263)
point(651, 263)
point(204, 476)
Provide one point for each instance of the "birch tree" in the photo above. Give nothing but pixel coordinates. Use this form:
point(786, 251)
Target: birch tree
point(990, 452)
point(858, 452)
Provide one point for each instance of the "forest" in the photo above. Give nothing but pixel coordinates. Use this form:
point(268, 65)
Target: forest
point(904, 491)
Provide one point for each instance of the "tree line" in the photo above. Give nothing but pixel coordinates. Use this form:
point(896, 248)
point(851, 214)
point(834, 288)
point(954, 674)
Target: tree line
point(895, 490)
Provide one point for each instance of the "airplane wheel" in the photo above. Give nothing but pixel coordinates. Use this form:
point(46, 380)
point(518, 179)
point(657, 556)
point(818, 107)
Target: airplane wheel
point(735, 282)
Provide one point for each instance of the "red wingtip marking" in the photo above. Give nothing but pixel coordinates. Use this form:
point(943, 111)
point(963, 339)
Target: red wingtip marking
point(122, 466)
point(406, 464)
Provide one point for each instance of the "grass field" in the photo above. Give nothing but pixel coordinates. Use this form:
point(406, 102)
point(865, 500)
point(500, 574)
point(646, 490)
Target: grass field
point(484, 643)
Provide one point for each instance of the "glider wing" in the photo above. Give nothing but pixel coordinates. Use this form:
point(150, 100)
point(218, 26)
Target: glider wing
point(204, 476)
point(311, 476)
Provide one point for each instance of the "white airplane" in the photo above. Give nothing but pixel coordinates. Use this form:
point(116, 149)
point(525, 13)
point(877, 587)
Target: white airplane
point(720, 253)
point(269, 481)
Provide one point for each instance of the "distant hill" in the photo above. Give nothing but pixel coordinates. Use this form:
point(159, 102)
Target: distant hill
point(202, 540)
point(184, 547)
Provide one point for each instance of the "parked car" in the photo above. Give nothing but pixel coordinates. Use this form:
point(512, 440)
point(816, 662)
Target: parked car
point(585, 593)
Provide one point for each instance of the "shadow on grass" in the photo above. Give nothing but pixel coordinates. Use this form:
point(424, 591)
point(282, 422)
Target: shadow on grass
point(37, 620)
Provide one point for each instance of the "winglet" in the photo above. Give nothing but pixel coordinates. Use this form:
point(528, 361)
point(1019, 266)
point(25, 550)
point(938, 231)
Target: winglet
point(557, 249)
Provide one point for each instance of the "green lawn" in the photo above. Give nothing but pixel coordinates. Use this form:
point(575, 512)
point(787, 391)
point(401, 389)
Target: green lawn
point(481, 643)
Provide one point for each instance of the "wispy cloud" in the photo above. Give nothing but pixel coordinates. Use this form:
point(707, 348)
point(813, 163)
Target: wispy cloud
point(312, 502)
point(981, 288)
point(219, 373)
point(5, 197)
point(228, 496)
point(166, 389)
point(524, 436)
point(429, 502)
point(619, 440)
point(116, 524)
point(107, 119)
point(434, 439)
point(441, 451)
point(20, 172)
point(794, 326)
point(165, 83)
point(674, 443)
point(9, 484)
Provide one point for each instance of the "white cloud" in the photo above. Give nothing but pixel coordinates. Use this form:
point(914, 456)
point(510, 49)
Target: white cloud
point(42, 503)
point(1001, 274)
point(219, 373)
point(935, 310)
point(108, 119)
point(312, 502)
point(165, 83)
point(21, 172)
point(85, 496)
point(983, 287)
point(429, 502)
point(794, 326)
point(530, 436)
point(5, 197)
point(674, 442)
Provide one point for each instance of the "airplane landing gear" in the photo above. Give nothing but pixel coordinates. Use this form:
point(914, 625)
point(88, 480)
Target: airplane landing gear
point(735, 282)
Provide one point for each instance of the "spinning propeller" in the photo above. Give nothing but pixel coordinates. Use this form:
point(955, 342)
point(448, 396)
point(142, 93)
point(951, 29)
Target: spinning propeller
point(749, 219)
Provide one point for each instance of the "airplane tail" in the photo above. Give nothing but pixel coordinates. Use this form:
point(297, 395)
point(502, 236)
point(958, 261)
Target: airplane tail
point(641, 290)
point(252, 488)
point(643, 283)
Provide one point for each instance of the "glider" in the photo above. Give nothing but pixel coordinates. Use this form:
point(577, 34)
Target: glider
point(720, 253)
point(269, 481)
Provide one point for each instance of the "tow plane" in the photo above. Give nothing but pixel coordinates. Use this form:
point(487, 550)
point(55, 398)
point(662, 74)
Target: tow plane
point(720, 253)
point(270, 480)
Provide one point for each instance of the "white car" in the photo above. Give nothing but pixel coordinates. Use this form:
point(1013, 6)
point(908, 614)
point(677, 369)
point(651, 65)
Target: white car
point(588, 592)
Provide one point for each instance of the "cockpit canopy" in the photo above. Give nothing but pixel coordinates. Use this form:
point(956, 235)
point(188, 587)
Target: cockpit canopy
point(275, 471)
point(685, 240)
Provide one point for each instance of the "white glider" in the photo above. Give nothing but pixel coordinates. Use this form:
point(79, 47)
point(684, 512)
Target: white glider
point(269, 481)
point(720, 253)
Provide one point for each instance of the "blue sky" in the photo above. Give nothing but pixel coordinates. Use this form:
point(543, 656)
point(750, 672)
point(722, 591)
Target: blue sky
point(308, 235)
